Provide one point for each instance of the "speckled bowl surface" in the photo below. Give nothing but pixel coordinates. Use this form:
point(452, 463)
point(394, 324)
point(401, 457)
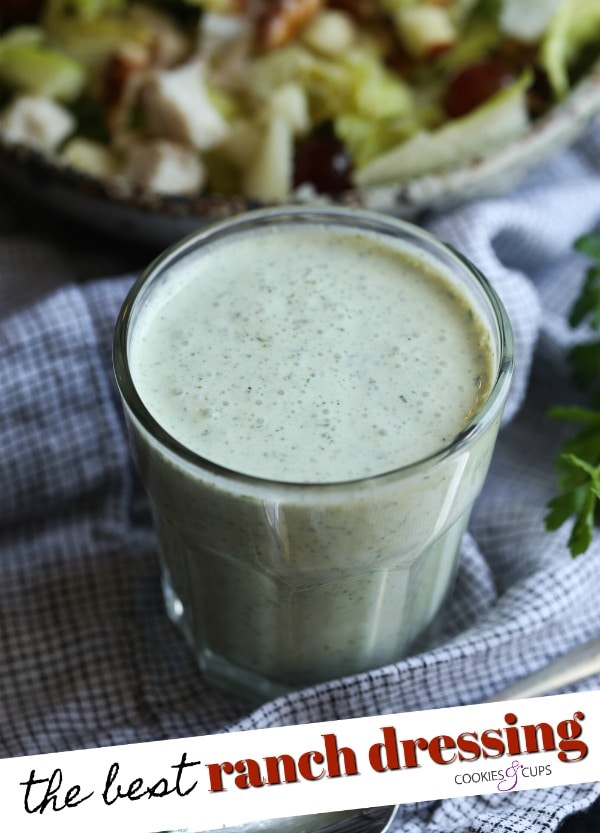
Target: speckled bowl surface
point(158, 221)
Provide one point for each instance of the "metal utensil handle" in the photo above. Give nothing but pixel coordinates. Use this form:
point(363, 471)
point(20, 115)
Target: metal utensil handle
point(576, 665)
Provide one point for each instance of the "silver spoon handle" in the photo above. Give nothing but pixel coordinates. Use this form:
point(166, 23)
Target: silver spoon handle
point(576, 665)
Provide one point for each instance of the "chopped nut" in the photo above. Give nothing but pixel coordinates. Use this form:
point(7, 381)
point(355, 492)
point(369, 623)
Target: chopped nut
point(361, 10)
point(169, 45)
point(121, 83)
point(281, 20)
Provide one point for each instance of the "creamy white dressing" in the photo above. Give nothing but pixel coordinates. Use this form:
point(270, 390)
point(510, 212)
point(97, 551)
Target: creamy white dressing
point(311, 355)
point(317, 353)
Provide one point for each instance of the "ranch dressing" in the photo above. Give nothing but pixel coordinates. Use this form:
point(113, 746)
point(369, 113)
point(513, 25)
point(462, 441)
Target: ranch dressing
point(317, 372)
point(290, 364)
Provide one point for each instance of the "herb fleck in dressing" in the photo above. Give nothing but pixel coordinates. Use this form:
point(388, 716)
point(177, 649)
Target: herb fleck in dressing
point(311, 357)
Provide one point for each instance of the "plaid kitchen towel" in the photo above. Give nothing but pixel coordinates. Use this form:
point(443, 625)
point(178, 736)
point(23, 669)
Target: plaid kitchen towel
point(87, 655)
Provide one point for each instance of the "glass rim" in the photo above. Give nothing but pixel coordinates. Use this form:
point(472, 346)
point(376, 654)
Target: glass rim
point(361, 219)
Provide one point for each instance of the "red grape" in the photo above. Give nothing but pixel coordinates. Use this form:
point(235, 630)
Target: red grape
point(323, 162)
point(475, 84)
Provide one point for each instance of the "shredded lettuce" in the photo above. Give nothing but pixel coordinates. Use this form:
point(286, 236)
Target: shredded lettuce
point(457, 9)
point(84, 9)
point(366, 138)
point(480, 37)
point(370, 107)
point(89, 39)
point(34, 69)
point(357, 83)
point(500, 120)
point(29, 65)
point(575, 25)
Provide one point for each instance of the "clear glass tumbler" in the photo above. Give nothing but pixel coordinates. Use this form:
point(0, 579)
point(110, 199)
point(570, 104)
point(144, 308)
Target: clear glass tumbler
point(277, 585)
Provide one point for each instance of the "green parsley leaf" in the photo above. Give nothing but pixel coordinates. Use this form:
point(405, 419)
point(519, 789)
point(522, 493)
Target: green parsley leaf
point(578, 463)
point(585, 364)
point(589, 244)
point(580, 482)
point(587, 305)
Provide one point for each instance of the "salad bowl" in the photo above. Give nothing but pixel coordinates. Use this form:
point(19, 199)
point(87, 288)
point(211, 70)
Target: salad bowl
point(386, 124)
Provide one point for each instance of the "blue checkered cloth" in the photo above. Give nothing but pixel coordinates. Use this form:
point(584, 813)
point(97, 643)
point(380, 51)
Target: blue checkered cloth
point(87, 655)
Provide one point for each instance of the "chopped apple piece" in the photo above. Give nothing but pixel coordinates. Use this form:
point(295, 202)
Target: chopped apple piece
point(425, 30)
point(91, 157)
point(269, 176)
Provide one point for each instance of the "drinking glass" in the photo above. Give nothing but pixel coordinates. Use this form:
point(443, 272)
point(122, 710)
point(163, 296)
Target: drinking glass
point(278, 585)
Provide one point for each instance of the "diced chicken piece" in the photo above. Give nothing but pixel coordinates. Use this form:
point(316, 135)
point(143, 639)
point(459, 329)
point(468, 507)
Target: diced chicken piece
point(425, 30)
point(90, 157)
point(219, 31)
point(163, 167)
point(178, 107)
point(527, 21)
point(225, 44)
point(37, 122)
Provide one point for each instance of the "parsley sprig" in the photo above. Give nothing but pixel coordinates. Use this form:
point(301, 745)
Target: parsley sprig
point(578, 463)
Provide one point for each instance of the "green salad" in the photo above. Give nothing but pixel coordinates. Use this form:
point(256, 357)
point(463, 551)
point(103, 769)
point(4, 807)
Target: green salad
point(264, 98)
